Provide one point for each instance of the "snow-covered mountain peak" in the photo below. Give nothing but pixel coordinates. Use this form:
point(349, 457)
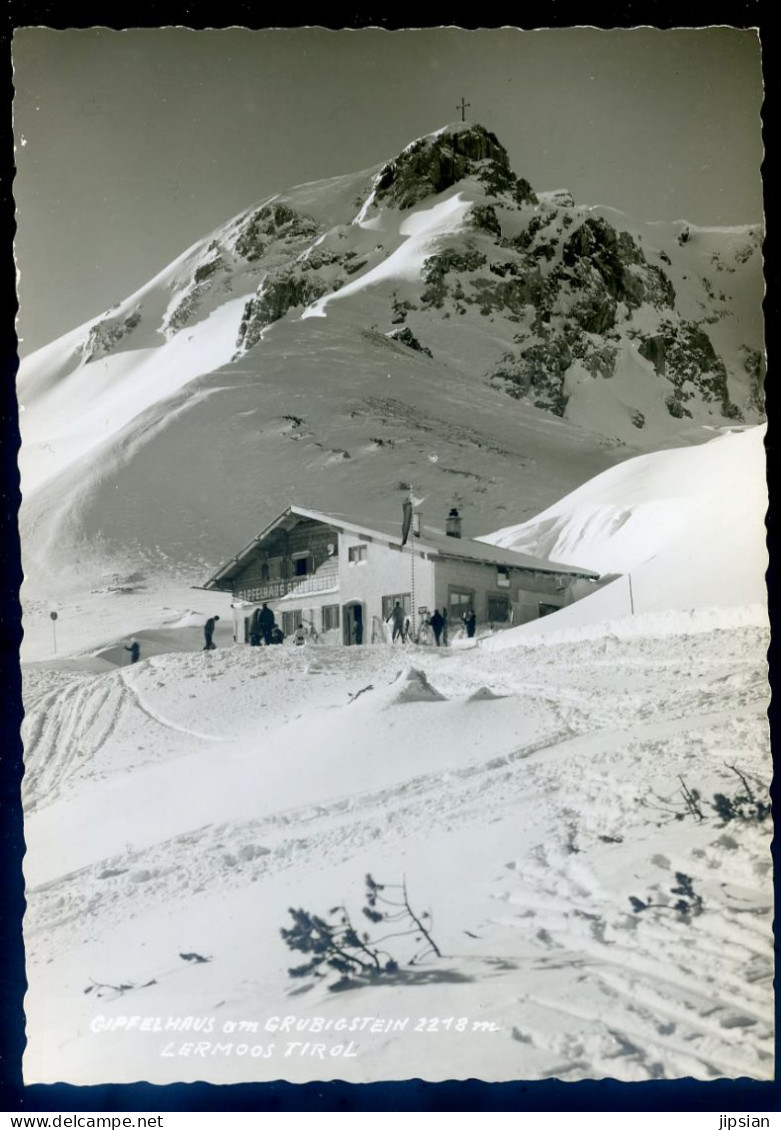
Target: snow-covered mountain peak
point(469, 327)
point(436, 162)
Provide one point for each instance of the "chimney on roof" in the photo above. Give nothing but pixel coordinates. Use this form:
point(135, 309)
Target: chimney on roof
point(453, 524)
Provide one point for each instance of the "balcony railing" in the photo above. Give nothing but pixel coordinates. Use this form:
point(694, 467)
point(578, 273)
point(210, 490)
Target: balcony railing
point(300, 586)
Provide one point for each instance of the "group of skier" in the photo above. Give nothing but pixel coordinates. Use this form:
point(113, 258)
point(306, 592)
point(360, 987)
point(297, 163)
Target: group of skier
point(263, 629)
point(437, 624)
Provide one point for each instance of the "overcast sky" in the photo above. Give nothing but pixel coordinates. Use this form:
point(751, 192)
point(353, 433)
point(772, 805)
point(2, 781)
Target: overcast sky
point(132, 145)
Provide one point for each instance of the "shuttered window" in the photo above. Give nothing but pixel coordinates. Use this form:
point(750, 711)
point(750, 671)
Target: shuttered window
point(330, 617)
point(290, 621)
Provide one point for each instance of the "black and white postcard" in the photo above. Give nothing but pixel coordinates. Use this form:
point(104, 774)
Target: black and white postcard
point(395, 621)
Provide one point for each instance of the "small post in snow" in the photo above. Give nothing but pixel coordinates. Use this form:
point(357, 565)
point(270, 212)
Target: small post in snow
point(631, 594)
point(54, 629)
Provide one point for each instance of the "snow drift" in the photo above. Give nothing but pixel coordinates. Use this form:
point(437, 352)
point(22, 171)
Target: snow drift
point(684, 529)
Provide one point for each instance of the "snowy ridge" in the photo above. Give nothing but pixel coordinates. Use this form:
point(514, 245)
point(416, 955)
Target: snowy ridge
point(420, 232)
point(687, 523)
point(578, 625)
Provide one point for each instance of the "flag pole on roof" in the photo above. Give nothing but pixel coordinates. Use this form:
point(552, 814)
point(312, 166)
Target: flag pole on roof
point(408, 509)
point(406, 520)
point(408, 531)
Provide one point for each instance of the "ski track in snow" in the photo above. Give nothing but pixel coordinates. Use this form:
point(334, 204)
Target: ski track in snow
point(150, 712)
point(62, 728)
point(65, 731)
point(592, 988)
point(697, 1012)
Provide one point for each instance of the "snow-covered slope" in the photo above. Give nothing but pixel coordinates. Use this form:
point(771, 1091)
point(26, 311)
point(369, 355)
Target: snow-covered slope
point(430, 320)
point(178, 808)
point(687, 525)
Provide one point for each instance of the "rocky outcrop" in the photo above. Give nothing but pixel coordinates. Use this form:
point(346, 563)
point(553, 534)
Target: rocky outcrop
point(595, 271)
point(401, 307)
point(272, 222)
point(406, 337)
point(186, 310)
point(653, 348)
point(755, 368)
point(659, 291)
point(596, 310)
point(435, 163)
point(511, 294)
point(107, 334)
point(601, 268)
point(437, 267)
point(318, 257)
point(484, 218)
point(279, 292)
point(597, 357)
point(527, 240)
point(684, 354)
point(537, 372)
point(596, 250)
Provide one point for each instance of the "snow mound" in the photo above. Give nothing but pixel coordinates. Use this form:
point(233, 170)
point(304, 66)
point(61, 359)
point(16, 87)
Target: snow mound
point(411, 685)
point(483, 694)
point(563, 628)
point(163, 641)
point(687, 523)
point(186, 619)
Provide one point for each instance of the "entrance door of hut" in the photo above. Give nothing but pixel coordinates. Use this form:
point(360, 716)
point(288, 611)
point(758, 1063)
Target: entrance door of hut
point(353, 623)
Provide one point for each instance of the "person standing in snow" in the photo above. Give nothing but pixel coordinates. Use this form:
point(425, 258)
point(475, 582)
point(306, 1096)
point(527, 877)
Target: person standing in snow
point(397, 616)
point(469, 619)
point(437, 624)
point(445, 626)
point(311, 631)
point(266, 623)
point(208, 632)
point(135, 651)
point(254, 629)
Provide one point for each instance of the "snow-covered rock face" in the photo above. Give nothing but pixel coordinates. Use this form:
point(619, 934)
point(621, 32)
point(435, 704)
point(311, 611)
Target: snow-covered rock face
point(432, 298)
point(105, 336)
